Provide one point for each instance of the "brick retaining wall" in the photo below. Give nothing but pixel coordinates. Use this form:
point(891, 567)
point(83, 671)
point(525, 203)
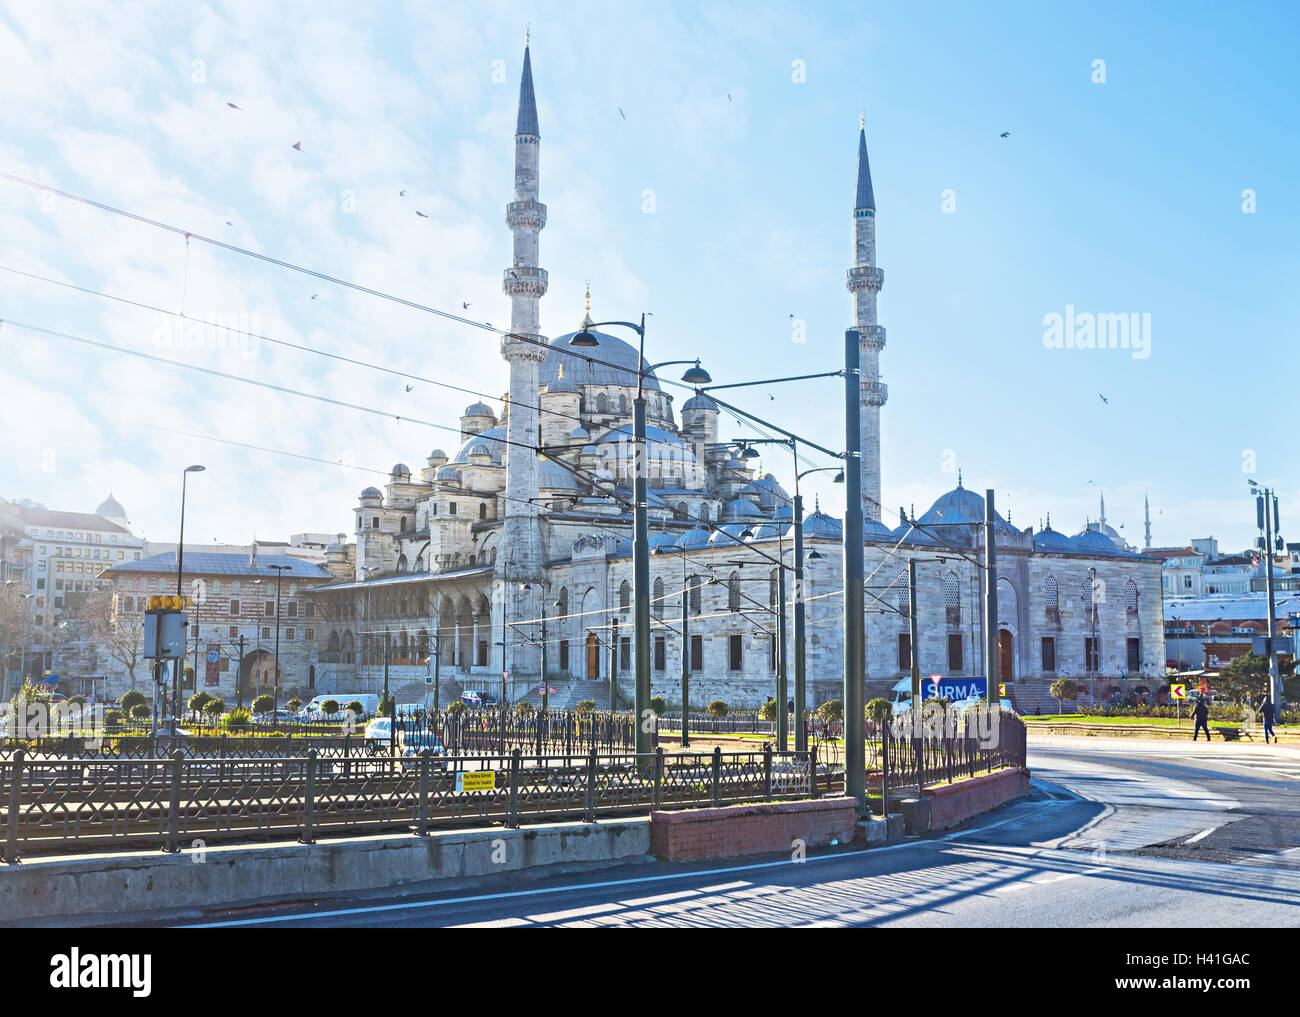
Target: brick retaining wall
point(764, 828)
point(951, 804)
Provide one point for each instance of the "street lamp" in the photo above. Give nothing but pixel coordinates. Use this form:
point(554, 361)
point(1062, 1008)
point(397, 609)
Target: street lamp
point(686, 643)
point(695, 375)
point(180, 567)
point(275, 699)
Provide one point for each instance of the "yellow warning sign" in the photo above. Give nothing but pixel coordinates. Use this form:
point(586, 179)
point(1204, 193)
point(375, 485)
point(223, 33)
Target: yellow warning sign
point(476, 780)
point(1002, 689)
point(1178, 691)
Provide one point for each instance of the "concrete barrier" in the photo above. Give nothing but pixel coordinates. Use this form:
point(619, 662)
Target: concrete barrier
point(950, 804)
point(761, 828)
point(119, 884)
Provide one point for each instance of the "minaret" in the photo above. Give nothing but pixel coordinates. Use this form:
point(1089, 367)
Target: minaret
point(1146, 515)
point(1101, 525)
point(864, 282)
point(525, 284)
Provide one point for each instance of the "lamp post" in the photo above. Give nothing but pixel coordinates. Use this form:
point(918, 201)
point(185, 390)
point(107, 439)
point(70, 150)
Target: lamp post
point(180, 567)
point(275, 698)
point(1267, 518)
point(686, 645)
point(1092, 660)
point(800, 618)
point(641, 538)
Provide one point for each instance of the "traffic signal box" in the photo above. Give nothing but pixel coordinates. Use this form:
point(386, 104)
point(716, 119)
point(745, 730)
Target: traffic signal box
point(164, 628)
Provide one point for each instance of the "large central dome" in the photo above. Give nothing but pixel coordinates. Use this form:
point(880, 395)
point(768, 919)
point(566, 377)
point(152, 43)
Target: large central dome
point(617, 363)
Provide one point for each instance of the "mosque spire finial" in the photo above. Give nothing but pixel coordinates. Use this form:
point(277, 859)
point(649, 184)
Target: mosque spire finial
point(959, 476)
point(586, 318)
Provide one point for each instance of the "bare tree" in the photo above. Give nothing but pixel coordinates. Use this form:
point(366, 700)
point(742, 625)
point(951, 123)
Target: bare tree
point(120, 633)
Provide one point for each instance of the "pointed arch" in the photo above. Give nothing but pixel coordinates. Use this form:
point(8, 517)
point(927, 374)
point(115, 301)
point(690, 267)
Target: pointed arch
point(733, 592)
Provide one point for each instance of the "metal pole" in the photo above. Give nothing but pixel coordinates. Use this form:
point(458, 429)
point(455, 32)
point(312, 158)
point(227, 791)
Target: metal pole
point(1274, 684)
point(180, 548)
point(991, 668)
point(275, 697)
point(613, 670)
point(800, 664)
point(686, 658)
point(239, 676)
point(912, 647)
point(782, 717)
point(546, 699)
point(855, 760)
point(641, 565)
point(392, 713)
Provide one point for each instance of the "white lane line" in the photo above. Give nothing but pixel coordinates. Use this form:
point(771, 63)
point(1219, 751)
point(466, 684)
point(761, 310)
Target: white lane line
point(1032, 883)
point(1200, 836)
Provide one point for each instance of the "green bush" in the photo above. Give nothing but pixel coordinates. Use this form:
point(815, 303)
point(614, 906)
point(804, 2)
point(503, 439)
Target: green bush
point(716, 709)
point(294, 704)
point(831, 710)
point(198, 701)
point(77, 700)
point(130, 700)
point(263, 704)
point(524, 709)
point(214, 707)
point(355, 706)
point(237, 719)
point(880, 710)
point(112, 716)
point(331, 706)
point(658, 705)
point(586, 706)
point(768, 710)
point(141, 712)
point(386, 706)
point(456, 707)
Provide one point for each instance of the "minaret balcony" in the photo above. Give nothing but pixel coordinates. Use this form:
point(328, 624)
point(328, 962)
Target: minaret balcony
point(524, 281)
point(527, 214)
point(872, 337)
point(874, 393)
point(865, 277)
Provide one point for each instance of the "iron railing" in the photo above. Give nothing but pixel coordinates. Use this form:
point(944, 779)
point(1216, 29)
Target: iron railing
point(53, 804)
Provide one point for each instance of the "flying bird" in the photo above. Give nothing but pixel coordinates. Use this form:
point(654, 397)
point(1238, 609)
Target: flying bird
point(408, 388)
point(229, 223)
point(296, 146)
point(621, 113)
point(314, 296)
point(233, 106)
point(729, 97)
point(1005, 134)
point(421, 214)
point(1103, 398)
point(401, 194)
point(464, 305)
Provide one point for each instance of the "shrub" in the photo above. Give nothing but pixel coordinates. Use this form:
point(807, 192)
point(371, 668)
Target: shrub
point(768, 710)
point(716, 709)
point(524, 709)
point(586, 706)
point(113, 717)
point(386, 706)
point(198, 701)
point(880, 710)
point(263, 704)
point(130, 700)
point(140, 711)
point(237, 719)
point(456, 707)
point(214, 707)
point(294, 704)
point(77, 700)
point(831, 710)
point(331, 707)
point(658, 705)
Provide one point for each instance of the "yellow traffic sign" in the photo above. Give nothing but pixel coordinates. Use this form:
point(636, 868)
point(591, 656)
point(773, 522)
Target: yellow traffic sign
point(1002, 688)
point(1178, 691)
point(477, 780)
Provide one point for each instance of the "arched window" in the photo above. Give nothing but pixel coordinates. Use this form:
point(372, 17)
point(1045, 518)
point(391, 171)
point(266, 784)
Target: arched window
point(602, 403)
point(903, 597)
point(1131, 597)
point(401, 564)
point(562, 601)
point(1086, 591)
point(703, 511)
point(333, 645)
point(622, 403)
point(694, 585)
point(733, 592)
point(624, 596)
point(482, 510)
point(657, 604)
point(1051, 596)
point(401, 527)
point(681, 510)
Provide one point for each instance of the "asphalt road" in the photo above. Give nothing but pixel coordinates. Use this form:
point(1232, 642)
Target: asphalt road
point(1181, 836)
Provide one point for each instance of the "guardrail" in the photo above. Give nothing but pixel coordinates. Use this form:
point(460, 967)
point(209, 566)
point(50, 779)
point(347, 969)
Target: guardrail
point(52, 804)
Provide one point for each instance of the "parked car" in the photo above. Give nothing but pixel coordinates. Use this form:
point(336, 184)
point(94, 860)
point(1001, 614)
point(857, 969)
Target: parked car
point(414, 742)
point(378, 734)
point(477, 697)
point(276, 717)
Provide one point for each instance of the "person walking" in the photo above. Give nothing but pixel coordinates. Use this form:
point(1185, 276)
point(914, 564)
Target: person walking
point(1269, 715)
point(1202, 715)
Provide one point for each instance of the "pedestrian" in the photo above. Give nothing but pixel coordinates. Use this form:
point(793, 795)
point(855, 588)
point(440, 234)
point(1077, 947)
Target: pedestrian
point(1202, 715)
point(1269, 716)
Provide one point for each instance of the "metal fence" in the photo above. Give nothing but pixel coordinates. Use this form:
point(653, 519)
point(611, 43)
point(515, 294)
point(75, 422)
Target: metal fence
point(51, 804)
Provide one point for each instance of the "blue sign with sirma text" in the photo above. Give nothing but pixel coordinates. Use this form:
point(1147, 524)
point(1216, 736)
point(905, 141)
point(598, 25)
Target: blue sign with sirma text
point(953, 688)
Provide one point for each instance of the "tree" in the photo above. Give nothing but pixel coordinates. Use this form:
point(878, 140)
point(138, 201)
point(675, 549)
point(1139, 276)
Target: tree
point(263, 704)
point(880, 710)
point(584, 706)
point(198, 701)
point(658, 705)
point(831, 710)
point(130, 700)
point(1061, 690)
point(120, 633)
point(355, 706)
point(294, 704)
point(1245, 678)
point(331, 707)
point(140, 712)
point(214, 707)
point(524, 708)
point(768, 710)
point(716, 709)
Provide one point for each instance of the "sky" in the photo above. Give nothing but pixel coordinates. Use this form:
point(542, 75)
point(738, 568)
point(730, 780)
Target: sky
point(698, 162)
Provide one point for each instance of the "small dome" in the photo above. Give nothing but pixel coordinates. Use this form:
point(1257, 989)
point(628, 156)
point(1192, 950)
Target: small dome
point(437, 454)
point(1093, 542)
point(555, 478)
point(695, 538)
point(728, 534)
point(446, 473)
point(768, 531)
point(562, 386)
point(742, 508)
point(400, 470)
point(371, 492)
point(111, 508)
point(819, 524)
point(479, 449)
point(335, 548)
point(479, 410)
point(874, 529)
point(699, 402)
point(665, 540)
point(591, 450)
point(579, 433)
point(1049, 539)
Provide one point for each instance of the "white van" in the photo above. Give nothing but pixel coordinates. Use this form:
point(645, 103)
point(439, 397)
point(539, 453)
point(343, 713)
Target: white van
point(369, 703)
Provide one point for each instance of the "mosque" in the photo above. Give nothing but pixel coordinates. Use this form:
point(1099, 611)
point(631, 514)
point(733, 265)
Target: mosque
point(516, 546)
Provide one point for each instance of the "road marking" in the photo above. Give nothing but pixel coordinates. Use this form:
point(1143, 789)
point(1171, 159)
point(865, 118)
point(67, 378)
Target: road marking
point(1027, 884)
point(1200, 836)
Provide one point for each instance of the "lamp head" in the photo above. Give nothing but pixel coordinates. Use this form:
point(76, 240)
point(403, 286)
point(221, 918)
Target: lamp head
point(838, 478)
point(697, 375)
point(195, 469)
point(584, 338)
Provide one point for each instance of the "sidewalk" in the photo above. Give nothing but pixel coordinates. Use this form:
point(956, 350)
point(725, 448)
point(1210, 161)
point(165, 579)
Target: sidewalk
point(1218, 745)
